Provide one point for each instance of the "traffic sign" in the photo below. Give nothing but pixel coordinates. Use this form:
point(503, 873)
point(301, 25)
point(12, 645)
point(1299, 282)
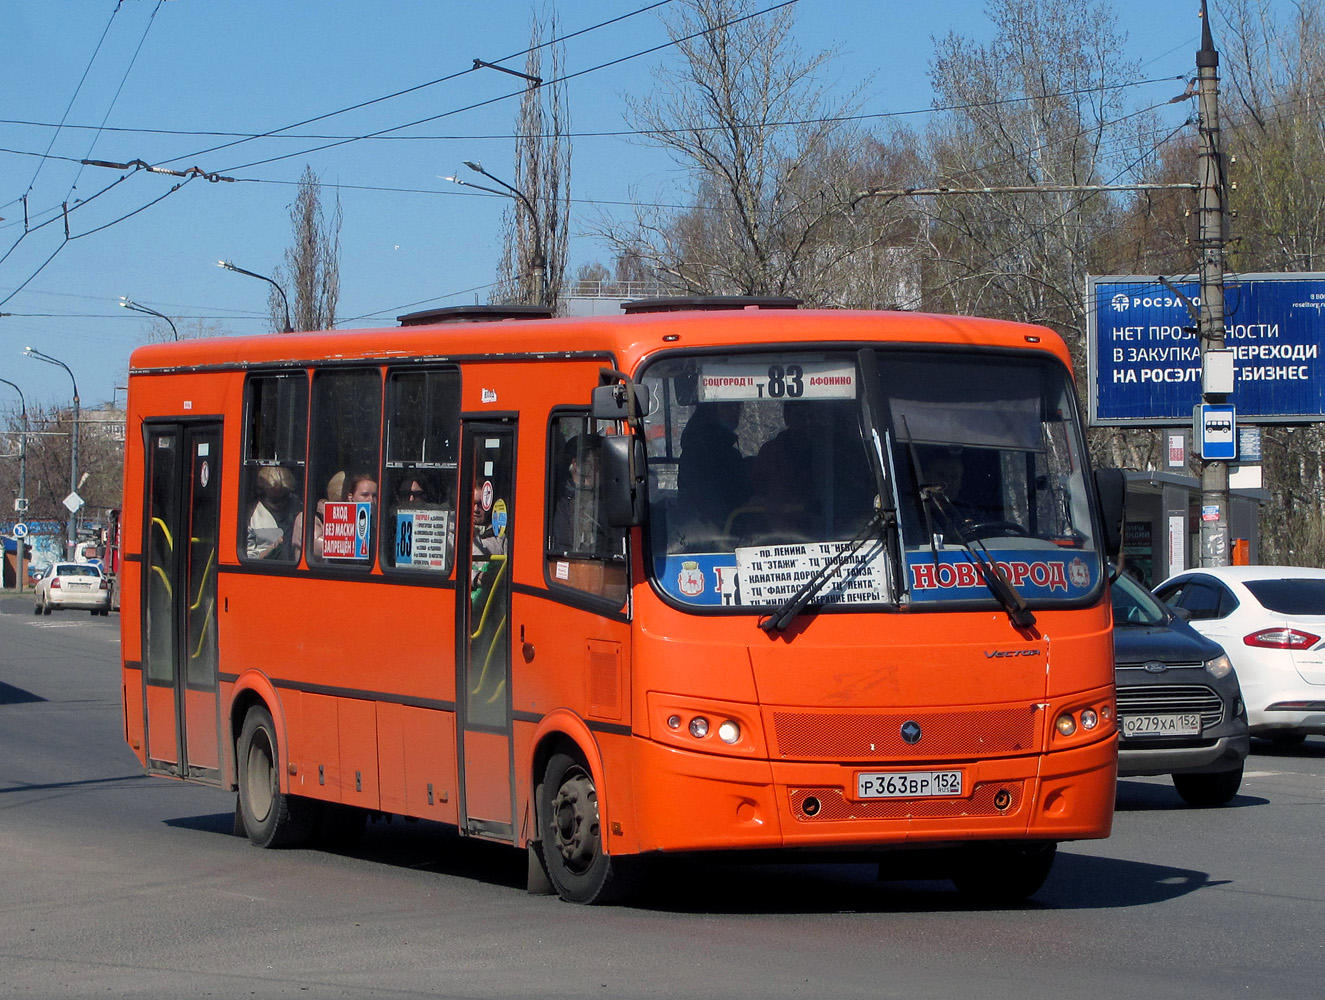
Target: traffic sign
point(20, 530)
point(1217, 430)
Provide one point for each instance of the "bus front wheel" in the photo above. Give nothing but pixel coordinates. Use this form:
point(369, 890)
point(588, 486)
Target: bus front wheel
point(271, 817)
point(579, 867)
point(1002, 873)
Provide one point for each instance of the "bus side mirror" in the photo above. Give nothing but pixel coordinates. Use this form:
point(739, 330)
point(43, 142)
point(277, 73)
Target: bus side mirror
point(625, 478)
point(1111, 487)
point(611, 402)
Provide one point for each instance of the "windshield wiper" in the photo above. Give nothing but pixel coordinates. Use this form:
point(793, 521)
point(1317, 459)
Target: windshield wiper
point(796, 603)
point(999, 585)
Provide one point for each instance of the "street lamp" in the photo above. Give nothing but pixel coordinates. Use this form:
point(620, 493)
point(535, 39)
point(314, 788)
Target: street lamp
point(128, 303)
point(73, 451)
point(20, 509)
point(539, 263)
point(230, 266)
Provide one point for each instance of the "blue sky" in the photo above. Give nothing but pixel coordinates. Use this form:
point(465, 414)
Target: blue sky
point(251, 66)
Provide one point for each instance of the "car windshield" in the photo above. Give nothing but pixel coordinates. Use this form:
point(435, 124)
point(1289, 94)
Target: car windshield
point(764, 466)
point(1291, 596)
point(1134, 605)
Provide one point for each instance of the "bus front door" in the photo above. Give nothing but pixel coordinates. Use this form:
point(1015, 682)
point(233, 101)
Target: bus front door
point(483, 683)
point(183, 489)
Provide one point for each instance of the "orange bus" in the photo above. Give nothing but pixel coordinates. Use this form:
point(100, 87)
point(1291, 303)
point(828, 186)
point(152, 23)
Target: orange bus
point(786, 581)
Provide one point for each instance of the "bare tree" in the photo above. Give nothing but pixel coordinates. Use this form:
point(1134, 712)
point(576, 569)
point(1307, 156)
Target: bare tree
point(772, 169)
point(1035, 106)
point(1276, 135)
point(196, 329)
point(100, 456)
point(1275, 138)
point(312, 262)
point(533, 265)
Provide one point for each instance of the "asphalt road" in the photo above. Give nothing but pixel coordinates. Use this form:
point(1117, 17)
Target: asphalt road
point(114, 884)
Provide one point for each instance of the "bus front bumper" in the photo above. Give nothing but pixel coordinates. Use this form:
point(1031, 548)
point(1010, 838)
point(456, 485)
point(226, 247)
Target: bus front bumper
point(696, 802)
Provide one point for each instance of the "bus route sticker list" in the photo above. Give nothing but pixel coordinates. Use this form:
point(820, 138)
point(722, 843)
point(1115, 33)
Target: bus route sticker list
point(346, 529)
point(421, 538)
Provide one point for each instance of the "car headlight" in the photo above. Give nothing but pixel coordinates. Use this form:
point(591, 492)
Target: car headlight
point(1219, 666)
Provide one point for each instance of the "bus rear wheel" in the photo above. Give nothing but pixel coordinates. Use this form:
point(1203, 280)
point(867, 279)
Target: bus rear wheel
point(1000, 874)
point(573, 852)
point(271, 817)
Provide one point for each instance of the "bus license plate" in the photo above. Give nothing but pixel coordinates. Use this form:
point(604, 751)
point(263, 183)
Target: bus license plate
point(908, 784)
point(1183, 724)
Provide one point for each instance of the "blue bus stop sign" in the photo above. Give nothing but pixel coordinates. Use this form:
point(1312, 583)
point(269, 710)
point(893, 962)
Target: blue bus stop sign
point(1217, 431)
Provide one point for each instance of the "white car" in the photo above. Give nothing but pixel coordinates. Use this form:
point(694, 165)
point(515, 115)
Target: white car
point(1271, 622)
point(73, 585)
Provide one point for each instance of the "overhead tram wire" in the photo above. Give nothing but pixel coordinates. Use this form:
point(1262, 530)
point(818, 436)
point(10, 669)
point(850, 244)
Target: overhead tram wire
point(690, 207)
point(70, 237)
point(465, 291)
point(55, 135)
point(74, 96)
point(57, 213)
point(516, 93)
point(1040, 230)
point(116, 96)
point(275, 133)
point(627, 133)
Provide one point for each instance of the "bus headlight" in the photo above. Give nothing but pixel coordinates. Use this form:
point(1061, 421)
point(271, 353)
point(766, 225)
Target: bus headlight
point(699, 727)
point(729, 732)
point(1089, 720)
point(1066, 724)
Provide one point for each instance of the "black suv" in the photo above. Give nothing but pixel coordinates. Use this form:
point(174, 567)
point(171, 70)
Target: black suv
point(1180, 709)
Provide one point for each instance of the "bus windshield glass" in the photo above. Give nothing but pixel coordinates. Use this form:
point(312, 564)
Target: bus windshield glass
point(909, 471)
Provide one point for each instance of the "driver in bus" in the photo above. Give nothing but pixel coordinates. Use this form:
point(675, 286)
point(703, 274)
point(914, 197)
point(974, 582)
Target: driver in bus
point(945, 467)
point(713, 477)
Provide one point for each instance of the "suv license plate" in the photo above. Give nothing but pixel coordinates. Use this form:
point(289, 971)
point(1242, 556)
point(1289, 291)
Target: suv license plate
point(1184, 724)
point(908, 784)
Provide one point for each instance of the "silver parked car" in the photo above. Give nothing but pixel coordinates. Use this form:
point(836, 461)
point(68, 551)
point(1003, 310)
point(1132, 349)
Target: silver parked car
point(73, 585)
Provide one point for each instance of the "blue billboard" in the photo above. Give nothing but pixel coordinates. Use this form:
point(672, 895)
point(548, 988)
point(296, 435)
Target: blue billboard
point(1145, 356)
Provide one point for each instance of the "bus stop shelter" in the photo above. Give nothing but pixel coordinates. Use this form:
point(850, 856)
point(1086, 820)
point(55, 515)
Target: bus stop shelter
point(1162, 525)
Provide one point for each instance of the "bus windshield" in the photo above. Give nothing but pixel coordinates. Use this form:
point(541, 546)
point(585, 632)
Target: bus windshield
point(910, 470)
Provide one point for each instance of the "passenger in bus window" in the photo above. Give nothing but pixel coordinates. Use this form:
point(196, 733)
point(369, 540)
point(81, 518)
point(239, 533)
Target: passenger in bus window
point(412, 491)
point(274, 517)
point(361, 488)
point(576, 525)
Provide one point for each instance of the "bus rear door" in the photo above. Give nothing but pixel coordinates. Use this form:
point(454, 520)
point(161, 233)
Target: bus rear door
point(183, 489)
point(484, 612)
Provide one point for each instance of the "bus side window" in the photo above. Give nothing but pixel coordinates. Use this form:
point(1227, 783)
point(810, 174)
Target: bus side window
point(582, 551)
point(422, 435)
point(346, 443)
point(275, 439)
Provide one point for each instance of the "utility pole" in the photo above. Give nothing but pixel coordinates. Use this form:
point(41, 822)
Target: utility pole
point(1216, 378)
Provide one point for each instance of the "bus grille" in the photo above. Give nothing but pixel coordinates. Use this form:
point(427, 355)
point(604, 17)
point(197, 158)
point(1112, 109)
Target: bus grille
point(868, 736)
point(1163, 699)
point(833, 805)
